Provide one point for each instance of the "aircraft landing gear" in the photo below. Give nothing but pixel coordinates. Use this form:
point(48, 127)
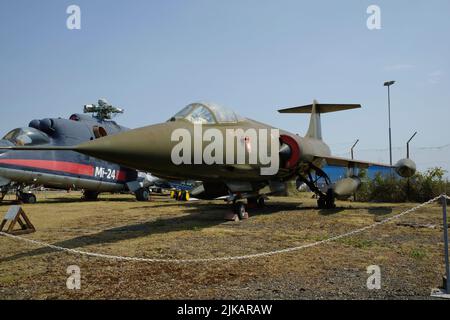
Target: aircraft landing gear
point(256, 202)
point(90, 195)
point(28, 198)
point(241, 210)
point(325, 200)
point(142, 194)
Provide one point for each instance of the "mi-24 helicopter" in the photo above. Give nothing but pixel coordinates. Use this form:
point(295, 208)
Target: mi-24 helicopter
point(20, 169)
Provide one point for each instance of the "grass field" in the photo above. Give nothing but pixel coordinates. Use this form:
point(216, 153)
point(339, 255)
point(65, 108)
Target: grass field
point(409, 251)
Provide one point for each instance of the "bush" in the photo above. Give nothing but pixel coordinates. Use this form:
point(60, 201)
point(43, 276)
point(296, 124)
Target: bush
point(419, 188)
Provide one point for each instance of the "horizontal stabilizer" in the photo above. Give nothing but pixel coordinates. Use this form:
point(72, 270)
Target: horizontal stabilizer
point(320, 108)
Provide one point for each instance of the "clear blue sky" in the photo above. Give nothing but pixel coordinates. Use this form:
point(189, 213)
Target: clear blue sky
point(154, 57)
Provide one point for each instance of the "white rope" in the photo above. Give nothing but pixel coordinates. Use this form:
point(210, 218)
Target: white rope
point(250, 256)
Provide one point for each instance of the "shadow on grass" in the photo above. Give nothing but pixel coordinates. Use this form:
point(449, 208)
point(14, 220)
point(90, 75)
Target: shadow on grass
point(378, 211)
point(58, 200)
point(205, 215)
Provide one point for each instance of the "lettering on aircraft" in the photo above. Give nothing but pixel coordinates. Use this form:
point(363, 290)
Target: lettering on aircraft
point(106, 173)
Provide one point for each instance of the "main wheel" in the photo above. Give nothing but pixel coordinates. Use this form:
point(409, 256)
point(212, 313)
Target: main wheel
point(261, 202)
point(28, 198)
point(90, 195)
point(321, 203)
point(240, 210)
point(330, 200)
point(142, 194)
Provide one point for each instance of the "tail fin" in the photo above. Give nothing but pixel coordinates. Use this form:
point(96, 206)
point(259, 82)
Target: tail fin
point(315, 129)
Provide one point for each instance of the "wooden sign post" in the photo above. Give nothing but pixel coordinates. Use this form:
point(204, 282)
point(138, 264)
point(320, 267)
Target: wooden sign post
point(16, 215)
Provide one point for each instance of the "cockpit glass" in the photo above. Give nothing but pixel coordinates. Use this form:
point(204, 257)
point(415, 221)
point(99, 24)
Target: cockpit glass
point(196, 113)
point(201, 115)
point(207, 113)
point(184, 112)
point(26, 137)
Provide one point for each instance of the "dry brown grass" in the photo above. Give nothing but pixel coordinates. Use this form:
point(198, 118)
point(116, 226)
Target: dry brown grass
point(411, 259)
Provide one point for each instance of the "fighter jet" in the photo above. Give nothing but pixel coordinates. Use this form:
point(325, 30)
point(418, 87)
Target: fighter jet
point(188, 147)
point(67, 169)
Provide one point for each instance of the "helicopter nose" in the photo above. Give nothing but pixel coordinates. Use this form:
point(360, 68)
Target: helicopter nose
point(4, 143)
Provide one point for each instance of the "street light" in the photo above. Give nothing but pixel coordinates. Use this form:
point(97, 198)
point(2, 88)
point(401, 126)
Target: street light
point(388, 84)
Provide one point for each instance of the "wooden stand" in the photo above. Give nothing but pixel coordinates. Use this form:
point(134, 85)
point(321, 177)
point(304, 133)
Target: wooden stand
point(16, 215)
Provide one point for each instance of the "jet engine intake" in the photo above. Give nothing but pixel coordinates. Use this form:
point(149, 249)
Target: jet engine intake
point(289, 152)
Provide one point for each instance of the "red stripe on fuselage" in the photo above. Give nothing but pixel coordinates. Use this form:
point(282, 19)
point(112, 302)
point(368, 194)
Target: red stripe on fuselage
point(67, 167)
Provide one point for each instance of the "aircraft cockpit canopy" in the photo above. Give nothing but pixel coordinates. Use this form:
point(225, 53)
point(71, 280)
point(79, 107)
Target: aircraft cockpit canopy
point(207, 113)
point(27, 137)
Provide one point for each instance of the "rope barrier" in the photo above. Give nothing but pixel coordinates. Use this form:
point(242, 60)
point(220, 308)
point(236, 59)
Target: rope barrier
point(219, 259)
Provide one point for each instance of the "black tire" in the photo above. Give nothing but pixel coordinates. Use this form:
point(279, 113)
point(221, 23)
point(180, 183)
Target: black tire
point(240, 210)
point(321, 203)
point(28, 198)
point(330, 199)
point(261, 202)
point(90, 195)
point(142, 195)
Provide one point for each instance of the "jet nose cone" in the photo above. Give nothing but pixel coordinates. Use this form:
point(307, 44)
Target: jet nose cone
point(144, 148)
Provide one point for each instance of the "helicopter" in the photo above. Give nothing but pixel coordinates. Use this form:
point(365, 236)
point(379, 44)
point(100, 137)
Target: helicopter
point(68, 170)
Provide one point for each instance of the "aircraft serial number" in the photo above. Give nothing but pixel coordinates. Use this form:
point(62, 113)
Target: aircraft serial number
point(106, 173)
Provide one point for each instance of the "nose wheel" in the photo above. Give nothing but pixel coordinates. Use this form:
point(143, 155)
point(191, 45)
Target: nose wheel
point(27, 198)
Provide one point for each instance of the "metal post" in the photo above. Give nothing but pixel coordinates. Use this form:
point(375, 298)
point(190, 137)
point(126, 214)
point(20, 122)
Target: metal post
point(353, 169)
point(447, 266)
point(407, 144)
point(388, 84)
point(390, 132)
point(408, 186)
point(351, 150)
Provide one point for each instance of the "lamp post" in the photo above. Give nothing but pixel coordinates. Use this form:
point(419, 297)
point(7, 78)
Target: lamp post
point(388, 84)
